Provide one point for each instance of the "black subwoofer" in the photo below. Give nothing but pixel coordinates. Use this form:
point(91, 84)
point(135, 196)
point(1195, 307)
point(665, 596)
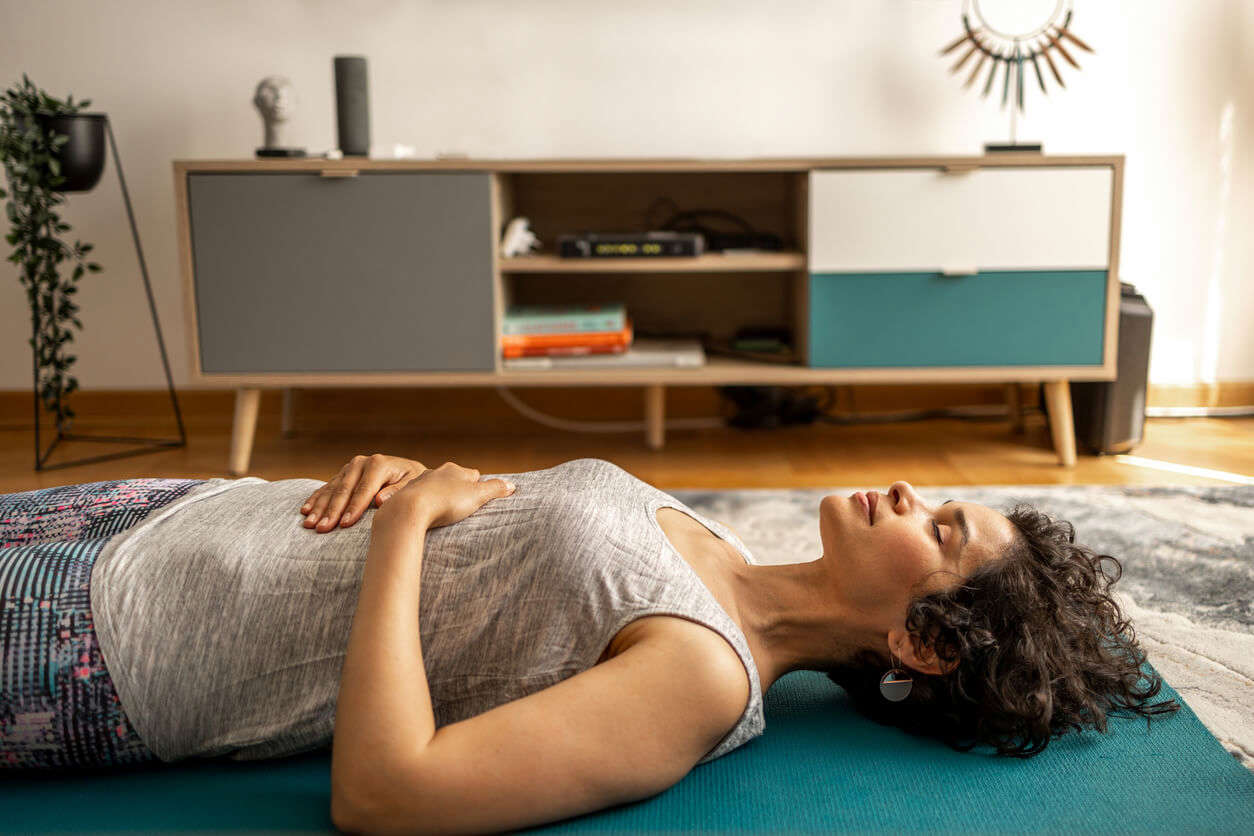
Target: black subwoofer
point(1110, 415)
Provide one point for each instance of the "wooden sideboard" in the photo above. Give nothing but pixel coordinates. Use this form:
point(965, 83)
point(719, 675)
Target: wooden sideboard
point(355, 272)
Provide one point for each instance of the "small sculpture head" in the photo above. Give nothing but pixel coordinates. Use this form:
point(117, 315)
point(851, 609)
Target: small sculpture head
point(275, 98)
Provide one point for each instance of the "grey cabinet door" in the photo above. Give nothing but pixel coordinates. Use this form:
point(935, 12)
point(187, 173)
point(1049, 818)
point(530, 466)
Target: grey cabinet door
point(388, 271)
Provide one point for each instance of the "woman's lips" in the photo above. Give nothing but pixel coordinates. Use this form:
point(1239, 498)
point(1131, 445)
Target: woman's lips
point(865, 503)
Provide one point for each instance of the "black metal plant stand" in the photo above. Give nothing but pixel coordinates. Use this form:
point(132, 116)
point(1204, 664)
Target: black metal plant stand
point(146, 445)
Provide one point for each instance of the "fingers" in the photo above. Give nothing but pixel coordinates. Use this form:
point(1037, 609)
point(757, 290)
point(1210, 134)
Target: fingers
point(311, 504)
point(367, 480)
point(386, 494)
point(337, 498)
point(409, 475)
point(377, 474)
point(495, 489)
point(353, 494)
point(319, 500)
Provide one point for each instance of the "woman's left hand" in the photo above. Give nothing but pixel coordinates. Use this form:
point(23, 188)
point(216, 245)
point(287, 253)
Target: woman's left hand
point(441, 496)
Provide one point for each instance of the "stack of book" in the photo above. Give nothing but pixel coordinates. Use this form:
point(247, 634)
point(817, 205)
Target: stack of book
point(586, 336)
point(564, 330)
point(650, 353)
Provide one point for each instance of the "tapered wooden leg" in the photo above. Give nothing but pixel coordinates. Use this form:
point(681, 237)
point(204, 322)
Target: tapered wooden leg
point(247, 402)
point(655, 416)
point(1061, 422)
point(289, 412)
point(1014, 405)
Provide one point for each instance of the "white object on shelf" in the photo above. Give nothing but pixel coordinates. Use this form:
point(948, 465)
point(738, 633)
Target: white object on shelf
point(645, 352)
point(518, 238)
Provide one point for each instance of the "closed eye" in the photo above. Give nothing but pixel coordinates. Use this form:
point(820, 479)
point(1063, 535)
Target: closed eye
point(936, 528)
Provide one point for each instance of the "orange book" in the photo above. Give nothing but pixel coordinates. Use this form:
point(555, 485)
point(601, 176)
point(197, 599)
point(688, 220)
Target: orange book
point(599, 338)
point(561, 350)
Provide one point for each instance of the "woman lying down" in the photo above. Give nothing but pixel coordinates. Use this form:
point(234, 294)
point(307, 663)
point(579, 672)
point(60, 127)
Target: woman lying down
point(494, 652)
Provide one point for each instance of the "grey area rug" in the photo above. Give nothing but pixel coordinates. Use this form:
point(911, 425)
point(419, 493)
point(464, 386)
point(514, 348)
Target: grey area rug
point(1187, 554)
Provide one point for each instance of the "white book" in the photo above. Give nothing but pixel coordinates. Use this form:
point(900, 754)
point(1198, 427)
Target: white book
point(644, 352)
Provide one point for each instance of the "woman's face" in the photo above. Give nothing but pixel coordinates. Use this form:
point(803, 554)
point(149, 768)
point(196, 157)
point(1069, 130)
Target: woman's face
point(885, 558)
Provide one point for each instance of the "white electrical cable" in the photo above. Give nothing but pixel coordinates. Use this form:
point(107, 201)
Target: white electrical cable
point(981, 410)
point(603, 426)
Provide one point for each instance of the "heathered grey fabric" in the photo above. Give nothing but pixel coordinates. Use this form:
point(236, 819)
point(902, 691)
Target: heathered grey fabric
point(224, 622)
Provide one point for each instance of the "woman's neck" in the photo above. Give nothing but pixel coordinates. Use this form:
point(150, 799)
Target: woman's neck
point(792, 618)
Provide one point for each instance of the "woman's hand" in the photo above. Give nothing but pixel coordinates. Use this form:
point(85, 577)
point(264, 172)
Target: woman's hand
point(364, 480)
point(439, 497)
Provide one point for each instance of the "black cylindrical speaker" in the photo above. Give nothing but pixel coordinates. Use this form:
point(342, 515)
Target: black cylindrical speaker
point(352, 105)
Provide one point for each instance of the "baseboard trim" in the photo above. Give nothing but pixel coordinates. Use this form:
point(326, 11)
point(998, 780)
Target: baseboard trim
point(1198, 411)
point(1223, 394)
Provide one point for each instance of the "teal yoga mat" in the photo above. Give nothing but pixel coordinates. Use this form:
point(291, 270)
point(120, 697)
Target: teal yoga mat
point(819, 768)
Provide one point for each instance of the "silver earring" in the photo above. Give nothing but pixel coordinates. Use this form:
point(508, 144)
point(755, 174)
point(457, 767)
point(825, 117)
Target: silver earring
point(896, 684)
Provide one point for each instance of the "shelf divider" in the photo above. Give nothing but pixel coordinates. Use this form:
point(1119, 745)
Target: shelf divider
point(763, 262)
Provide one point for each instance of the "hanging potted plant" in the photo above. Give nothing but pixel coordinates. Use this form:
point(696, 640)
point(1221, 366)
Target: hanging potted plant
point(48, 147)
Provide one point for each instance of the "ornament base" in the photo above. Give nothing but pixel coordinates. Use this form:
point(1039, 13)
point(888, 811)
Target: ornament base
point(280, 152)
point(1019, 147)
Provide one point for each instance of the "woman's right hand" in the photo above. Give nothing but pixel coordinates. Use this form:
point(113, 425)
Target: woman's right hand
point(361, 482)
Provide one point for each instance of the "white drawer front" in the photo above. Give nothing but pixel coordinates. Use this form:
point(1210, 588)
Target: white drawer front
point(1031, 218)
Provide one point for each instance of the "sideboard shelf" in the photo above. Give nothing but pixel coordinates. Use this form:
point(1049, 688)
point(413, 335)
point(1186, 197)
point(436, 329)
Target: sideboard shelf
point(1000, 268)
point(719, 371)
point(707, 263)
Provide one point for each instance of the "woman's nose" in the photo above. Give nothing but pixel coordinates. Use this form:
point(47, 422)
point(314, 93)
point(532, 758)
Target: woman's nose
point(901, 492)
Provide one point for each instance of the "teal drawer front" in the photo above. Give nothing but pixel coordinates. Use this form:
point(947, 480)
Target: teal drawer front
point(1012, 318)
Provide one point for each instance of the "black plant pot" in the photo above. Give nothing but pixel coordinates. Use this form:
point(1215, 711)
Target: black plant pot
point(83, 157)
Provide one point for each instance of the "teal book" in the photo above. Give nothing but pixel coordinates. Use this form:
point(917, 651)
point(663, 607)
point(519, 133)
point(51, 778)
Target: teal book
point(564, 319)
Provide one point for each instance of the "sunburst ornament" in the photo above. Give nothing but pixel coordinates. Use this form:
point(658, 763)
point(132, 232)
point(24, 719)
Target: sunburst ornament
point(1008, 35)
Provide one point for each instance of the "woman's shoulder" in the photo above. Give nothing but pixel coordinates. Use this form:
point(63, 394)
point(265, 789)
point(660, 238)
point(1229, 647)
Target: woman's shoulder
point(581, 474)
point(669, 634)
point(590, 465)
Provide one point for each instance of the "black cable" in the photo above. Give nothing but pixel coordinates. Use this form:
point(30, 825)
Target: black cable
point(766, 406)
point(908, 415)
point(692, 214)
point(687, 221)
point(648, 213)
point(918, 415)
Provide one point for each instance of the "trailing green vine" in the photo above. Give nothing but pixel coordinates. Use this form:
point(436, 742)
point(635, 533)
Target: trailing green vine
point(29, 151)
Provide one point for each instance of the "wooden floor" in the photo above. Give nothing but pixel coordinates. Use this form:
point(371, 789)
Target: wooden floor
point(478, 430)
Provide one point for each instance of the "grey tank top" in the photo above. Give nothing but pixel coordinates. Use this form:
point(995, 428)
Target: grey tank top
point(224, 622)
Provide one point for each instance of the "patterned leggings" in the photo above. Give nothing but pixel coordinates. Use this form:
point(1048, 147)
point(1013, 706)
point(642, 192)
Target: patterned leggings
point(58, 706)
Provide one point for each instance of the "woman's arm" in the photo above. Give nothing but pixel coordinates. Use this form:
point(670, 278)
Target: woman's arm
point(383, 716)
point(617, 732)
point(383, 713)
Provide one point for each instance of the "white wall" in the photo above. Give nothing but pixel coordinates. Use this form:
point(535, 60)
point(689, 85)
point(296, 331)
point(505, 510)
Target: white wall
point(1171, 86)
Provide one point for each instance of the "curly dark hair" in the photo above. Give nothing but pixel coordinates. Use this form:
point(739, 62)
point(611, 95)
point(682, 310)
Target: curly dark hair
point(1034, 645)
